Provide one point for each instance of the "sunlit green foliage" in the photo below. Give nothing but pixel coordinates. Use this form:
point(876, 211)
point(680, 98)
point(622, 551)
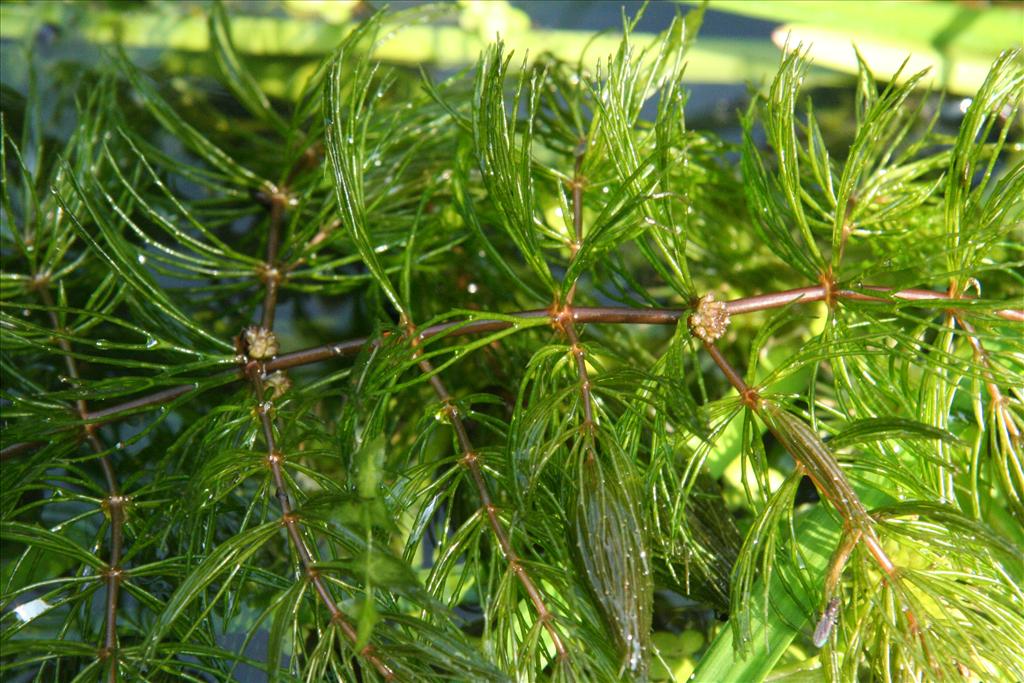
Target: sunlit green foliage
point(499, 500)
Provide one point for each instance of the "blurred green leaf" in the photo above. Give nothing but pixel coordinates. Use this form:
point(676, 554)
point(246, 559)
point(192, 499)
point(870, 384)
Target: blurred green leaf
point(957, 42)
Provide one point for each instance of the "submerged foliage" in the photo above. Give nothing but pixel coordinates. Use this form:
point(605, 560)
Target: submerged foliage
point(424, 380)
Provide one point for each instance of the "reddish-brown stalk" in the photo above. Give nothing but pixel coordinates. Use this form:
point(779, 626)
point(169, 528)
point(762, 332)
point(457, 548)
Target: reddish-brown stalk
point(617, 315)
point(580, 314)
point(1009, 434)
point(113, 504)
point(563, 318)
point(470, 460)
point(256, 371)
point(814, 460)
point(999, 402)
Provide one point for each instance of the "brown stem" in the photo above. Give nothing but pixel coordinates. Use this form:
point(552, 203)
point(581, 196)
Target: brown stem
point(1009, 435)
point(270, 274)
point(577, 192)
point(580, 314)
point(256, 371)
point(622, 314)
point(824, 472)
point(586, 397)
point(998, 400)
point(762, 302)
point(114, 503)
point(819, 465)
point(16, 449)
point(750, 397)
point(471, 462)
point(838, 562)
point(104, 415)
point(565, 319)
point(577, 213)
point(291, 522)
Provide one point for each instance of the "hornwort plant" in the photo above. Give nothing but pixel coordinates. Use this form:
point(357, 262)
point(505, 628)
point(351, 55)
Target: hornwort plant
point(596, 379)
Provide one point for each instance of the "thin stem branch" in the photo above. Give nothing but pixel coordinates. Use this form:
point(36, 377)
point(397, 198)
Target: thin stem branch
point(294, 527)
point(577, 192)
point(1007, 432)
point(823, 470)
point(270, 274)
point(577, 213)
point(565, 320)
point(998, 400)
point(586, 397)
point(829, 479)
point(19, 448)
point(470, 460)
point(113, 504)
point(104, 415)
point(256, 373)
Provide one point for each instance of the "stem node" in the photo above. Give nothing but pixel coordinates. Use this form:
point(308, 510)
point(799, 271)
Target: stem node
point(710, 320)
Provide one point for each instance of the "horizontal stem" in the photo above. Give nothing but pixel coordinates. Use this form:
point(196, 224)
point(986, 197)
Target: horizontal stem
point(16, 449)
point(102, 415)
point(762, 302)
point(581, 314)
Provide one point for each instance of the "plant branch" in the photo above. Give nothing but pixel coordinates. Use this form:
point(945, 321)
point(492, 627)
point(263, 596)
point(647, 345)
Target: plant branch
point(998, 400)
point(113, 504)
point(270, 274)
point(580, 314)
point(565, 320)
point(291, 522)
point(813, 459)
point(470, 460)
point(256, 372)
point(16, 449)
point(1009, 433)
